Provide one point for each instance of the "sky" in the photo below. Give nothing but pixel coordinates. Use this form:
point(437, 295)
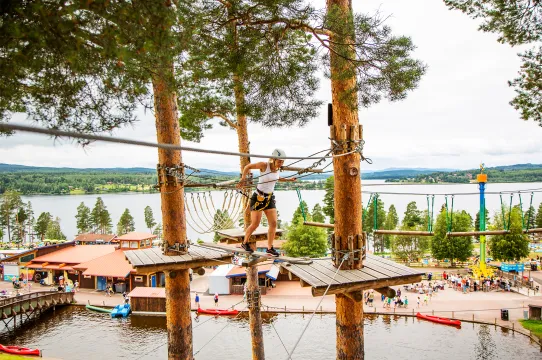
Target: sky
point(458, 117)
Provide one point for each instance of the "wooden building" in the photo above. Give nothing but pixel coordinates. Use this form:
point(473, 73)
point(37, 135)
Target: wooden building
point(14, 266)
point(148, 299)
point(95, 239)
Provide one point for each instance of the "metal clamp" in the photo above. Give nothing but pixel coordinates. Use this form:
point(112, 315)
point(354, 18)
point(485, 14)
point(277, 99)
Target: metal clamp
point(177, 247)
point(253, 299)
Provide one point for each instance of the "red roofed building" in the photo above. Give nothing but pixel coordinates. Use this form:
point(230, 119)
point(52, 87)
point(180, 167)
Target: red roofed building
point(95, 239)
point(111, 268)
point(136, 240)
point(61, 263)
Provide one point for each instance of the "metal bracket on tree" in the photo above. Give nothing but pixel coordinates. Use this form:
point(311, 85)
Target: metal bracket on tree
point(253, 299)
point(177, 247)
point(357, 249)
point(174, 175)
point(346, 139)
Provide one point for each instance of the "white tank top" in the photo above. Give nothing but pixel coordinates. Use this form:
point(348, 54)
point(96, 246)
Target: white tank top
point(267, 180)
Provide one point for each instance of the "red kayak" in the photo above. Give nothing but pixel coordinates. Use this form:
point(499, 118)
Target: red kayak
point(218, 312)
point(439, 320)
point(16, 350)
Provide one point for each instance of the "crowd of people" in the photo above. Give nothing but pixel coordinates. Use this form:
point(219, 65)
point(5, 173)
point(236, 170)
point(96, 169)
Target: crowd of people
point(468, 284)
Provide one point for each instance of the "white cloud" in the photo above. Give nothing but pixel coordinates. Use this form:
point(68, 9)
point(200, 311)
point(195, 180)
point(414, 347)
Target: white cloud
point(458, 117)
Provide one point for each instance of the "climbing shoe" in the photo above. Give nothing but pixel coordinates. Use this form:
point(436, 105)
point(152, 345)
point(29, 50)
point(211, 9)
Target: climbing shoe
point(246, 247)
point(273, 252)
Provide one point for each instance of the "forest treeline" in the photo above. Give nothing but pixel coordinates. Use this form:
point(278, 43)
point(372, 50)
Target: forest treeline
point(65, 183)
point(513, 173)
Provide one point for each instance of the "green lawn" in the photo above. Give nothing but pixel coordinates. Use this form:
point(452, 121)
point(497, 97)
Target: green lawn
point(14, 357)
point(77, 192)
point(534, 325)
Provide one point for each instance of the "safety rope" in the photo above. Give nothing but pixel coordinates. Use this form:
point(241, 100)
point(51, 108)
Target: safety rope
point(365, 210)
point(506, 226)
point(450, 219)
point(530, 207)
point(227, 324)
point(317, 306)
point(430, 213)
point(375, 211)
point(301, 204)
point(282, 342)
point(521, 211)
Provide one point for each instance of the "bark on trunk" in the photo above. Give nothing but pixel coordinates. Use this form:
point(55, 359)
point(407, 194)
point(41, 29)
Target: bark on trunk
point(348, 208)
point(179, 322)
point(349, 323)
point(255, 316)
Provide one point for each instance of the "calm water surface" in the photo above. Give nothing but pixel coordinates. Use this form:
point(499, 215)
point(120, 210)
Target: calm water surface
point(76, 333)
point(65, 206)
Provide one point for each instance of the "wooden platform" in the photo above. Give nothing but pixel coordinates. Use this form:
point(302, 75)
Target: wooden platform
point(235, 236)
point(377, 273)
point(148, 261)
point(256, 257)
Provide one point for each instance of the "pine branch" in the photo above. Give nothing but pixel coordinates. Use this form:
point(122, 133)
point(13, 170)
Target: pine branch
point(223, 117)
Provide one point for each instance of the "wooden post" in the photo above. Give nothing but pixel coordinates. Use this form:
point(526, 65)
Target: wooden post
point(178, 317)
point(349, 318)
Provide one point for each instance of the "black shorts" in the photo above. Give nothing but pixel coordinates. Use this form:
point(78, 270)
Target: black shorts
point(260, 202)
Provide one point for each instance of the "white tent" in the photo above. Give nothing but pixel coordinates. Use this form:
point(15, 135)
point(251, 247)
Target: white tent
point(218, 282)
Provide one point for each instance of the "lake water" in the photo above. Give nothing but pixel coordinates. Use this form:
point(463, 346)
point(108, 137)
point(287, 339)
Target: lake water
point(76, 333)
point(65, 206)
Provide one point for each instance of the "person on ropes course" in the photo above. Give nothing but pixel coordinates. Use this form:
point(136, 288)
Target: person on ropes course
point(263, 199)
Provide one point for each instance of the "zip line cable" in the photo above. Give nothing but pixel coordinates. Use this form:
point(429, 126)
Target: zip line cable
point(91, 137)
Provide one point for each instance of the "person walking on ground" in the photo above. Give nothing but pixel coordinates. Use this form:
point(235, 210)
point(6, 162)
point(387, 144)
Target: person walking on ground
point(216, 299)
point(418, 302)
point(425, 300)
point(197, 300)
point(371, 298)
point(76, 286)
point(406, 302)
point(263, 199)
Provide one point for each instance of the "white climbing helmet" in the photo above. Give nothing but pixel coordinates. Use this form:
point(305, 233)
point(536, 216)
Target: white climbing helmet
point(279, 153)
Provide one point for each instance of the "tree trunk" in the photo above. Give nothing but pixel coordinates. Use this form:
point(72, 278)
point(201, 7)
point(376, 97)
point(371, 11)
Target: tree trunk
point(242, 134)
point(254, 312)
point(179, 322)
point(255, 316)
point(349, 323)
point(348, 206)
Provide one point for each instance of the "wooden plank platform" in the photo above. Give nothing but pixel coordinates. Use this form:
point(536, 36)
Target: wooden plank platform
point(235, 236)
point(376, 273)
point(256, 256)
point(148, 261)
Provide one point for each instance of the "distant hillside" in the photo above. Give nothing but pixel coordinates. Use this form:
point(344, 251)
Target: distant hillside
point(510, 173)
point(398, 173)
point(35, 169)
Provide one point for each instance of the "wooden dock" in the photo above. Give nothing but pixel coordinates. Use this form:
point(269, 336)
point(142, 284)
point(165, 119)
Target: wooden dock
point(151, 260)
point(31, 305)
point(377, 273)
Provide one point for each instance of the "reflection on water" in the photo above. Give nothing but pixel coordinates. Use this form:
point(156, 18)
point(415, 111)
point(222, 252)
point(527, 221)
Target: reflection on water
point(76, 333)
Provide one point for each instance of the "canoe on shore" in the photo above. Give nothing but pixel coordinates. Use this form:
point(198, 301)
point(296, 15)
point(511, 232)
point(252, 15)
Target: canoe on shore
point(439, 320)
point(16, 350)
point(218, 312)
point(98, 309)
